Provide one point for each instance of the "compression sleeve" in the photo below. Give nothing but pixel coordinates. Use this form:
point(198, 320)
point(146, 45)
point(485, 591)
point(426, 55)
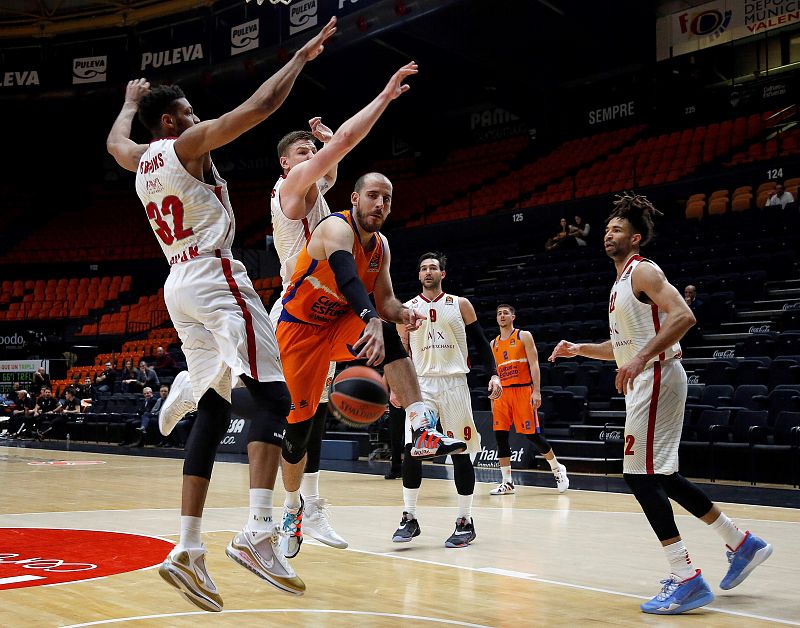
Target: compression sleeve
point(476, 335)
point(344, 269)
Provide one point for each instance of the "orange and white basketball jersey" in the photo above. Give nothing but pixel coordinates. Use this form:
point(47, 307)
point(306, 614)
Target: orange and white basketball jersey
point(313, 297)
point(190, 217)
point(290, 236)
point(439, 346)
point(633, 323)
point(512, 360)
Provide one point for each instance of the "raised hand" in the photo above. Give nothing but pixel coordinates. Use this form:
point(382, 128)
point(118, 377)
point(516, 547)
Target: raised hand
point(395, 86)
point(564, 349)
point(136, 90)
point(314, 47)
point(319, 130)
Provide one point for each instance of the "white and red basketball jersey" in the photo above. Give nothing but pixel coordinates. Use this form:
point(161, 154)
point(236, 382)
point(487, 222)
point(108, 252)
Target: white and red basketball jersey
point(290, 236)
point(439, 346)
point(633, 323)
point(189, 217)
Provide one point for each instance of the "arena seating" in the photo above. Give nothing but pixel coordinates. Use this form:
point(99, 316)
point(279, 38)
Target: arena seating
point(59, 298)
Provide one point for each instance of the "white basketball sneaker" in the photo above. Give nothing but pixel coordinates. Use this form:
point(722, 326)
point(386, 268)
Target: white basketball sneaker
point(178, 403)
point(185, 569)
point(260, 552)
point(562, 480)
point(504, 488)
point(317, 524)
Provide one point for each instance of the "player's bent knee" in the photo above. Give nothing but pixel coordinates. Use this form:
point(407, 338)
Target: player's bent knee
point(392, 344)
point(295, 443)
point(540, 442)
point(213, 419)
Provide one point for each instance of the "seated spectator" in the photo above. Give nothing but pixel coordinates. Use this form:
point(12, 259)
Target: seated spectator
point(148, 375)
point(696, 305)
point(560, 238)
point(781, 197)
point(132, 434)
point(104, 382)
point(46, 406)
point(11, 396)
point(21, 414)
point(84, 391)
point(165, 363)
point(579, 231)
point(40, 380)
point(69, 405)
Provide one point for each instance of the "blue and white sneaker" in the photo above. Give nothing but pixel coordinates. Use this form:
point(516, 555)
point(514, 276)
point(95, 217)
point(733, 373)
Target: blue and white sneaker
point(292, 530)
point(752, 551)
point(679, 596)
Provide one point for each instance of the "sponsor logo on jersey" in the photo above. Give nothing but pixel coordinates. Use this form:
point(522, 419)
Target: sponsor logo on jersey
point(175, 56)
point(374, 264)
point(302, 16)
point(89, 69)
point(20, 79)
point(244, 37)
point(448, 300)
point(513, 342)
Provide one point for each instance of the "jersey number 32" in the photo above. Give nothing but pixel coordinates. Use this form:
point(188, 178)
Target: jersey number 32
point(171, 205)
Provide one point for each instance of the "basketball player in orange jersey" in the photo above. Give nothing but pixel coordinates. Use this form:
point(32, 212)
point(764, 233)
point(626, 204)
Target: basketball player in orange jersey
point(219, 317)
point(327, 313)
point(440, 355)
point(518, 367)
point(647, 319)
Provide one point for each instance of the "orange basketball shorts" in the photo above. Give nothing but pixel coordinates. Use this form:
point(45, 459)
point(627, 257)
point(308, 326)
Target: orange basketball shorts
point(306, 353)
point(514, 406)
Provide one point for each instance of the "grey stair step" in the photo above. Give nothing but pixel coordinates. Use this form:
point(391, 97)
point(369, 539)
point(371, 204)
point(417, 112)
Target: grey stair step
point(726, 338)
point(607, 415)
point(776, 283)
point(776, 302)
point(784, 292)
point(759, 313)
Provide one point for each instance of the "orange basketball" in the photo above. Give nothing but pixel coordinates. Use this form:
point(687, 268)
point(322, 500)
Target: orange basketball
point(358, 396)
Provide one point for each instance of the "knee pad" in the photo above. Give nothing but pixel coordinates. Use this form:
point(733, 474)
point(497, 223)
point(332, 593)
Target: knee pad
point(314, 446)
point(266, 405)
point(540, 442)
point(686, 494)
point(295, 443)
point(503, 448)
point(412, 470)
point(213, 419)
point(463, 474)
point(654, 501)
point(393, 346)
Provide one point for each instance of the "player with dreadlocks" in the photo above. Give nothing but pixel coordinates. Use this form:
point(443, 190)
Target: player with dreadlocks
point(647, 318)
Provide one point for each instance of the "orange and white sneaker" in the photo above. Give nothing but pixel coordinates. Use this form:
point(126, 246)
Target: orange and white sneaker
point(185, 569)
point(428, 442)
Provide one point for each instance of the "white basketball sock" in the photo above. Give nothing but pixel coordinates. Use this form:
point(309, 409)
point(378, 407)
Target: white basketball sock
point(410, 496)
point(292, 500)
point(506, 474)
point(465, 506)
point(731, 535)
point(553, 462)
point(309, 487)
point(190, 532)
point(415, 413)
point(679, 562)
point(260, 509)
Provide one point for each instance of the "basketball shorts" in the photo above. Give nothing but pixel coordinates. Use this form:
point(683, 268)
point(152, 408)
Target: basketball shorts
point(307, 352)
point(654, 419)
point(448, 396)
point(274, 315)
point(224, 327)
point(514, 407)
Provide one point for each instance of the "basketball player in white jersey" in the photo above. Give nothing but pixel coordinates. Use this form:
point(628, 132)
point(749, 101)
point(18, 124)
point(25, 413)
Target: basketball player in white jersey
point(225, 329)
point(439, 352)
point(647, 319)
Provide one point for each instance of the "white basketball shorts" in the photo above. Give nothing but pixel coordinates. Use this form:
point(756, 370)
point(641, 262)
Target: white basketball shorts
point(274, 315)
point(222, 323)
point(448, 396)
point(654, 419)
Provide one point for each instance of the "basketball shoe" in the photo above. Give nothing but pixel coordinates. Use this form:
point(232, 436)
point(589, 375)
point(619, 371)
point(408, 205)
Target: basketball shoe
point(185, 569)
point(562, 480)
point(317, 524)
point(261, 553)
point(292, 530)
point(463, 535)
point(504, 488)
point(428, 442)
point(409, 528)
point(679, 596)
point(178, 403)
point(752, 551)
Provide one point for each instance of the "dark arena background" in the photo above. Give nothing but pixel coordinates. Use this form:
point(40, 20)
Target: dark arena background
point(524, 112)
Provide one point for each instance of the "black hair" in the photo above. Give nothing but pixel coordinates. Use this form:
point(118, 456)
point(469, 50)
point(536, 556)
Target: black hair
point(290, 138)
point(159, 101)
point(438, 256)
point(638, 211)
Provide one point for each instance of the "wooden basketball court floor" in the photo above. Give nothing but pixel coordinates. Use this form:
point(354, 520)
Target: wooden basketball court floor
point(540, 558)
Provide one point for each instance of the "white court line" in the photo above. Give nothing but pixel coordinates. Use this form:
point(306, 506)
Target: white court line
point(436, 620)
point(14, 579)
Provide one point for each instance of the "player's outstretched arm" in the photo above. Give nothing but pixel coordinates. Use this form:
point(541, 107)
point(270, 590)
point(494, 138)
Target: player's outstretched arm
point(478, 338)
point(211, 134)
point(567, 349)
point(119, 144)
point(324, 134)
point(304, 175)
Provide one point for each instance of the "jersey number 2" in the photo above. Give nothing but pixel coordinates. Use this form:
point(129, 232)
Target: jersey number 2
point(629, 440)
point(170, 205)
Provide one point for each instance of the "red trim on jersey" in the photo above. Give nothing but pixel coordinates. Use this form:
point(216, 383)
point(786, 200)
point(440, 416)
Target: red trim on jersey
point(633, 258)
point(651, 419)
point(657, 327)
point(248, 318)
point(218, 192)
point(437, 298)
point(441, 294)
point(306, 230)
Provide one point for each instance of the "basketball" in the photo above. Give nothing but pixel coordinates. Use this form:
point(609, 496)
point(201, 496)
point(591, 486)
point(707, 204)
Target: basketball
point(358, 396)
